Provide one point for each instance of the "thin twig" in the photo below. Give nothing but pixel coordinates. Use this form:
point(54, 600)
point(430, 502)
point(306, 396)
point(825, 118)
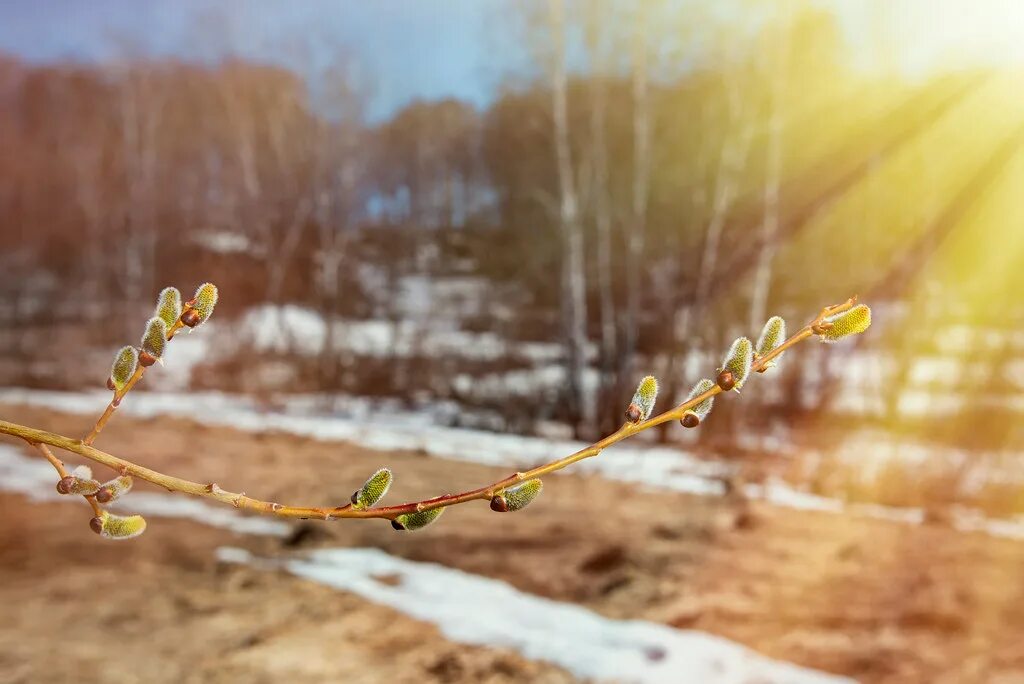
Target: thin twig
point(115, 401)
point(63, 472)
point(213, 491)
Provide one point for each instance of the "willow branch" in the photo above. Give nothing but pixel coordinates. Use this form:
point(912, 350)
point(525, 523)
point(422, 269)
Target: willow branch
point(211, 490)
point(58, 465)
point(115, 401)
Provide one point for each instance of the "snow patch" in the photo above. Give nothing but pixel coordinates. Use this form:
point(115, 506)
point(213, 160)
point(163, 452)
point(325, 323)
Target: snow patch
point(480, 611)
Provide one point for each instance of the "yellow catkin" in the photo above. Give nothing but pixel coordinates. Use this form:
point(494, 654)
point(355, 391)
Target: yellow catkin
point(125, 362)
point(852, 322)
point(738, 360)
point(373, 490)
point(168, 306)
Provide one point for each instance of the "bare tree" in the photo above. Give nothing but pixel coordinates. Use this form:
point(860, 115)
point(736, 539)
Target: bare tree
point(597, 46)
point(635, 237)
point(139, 106)
point(574, 286)
point(337, 178)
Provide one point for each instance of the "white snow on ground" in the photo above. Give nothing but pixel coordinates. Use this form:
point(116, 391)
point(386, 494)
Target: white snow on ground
point(480, 611)
point(652, 466)
point(36, 479)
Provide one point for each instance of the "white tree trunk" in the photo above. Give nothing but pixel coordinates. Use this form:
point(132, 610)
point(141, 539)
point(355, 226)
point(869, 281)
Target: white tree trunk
point(602, 205)
point(635, 236)
point(574, 286)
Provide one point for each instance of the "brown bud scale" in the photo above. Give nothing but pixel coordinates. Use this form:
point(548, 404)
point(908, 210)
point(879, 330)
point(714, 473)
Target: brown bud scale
point(64, 484)
point(398, 526)
point(146, 359)
point(690, 420)
point(633, 414)
point(96, 524)
point(110, 384)
point(190, 318)
point(726, 380)
point(498, 504)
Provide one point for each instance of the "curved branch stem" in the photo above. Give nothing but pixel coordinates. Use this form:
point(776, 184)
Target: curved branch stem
point(41, 438)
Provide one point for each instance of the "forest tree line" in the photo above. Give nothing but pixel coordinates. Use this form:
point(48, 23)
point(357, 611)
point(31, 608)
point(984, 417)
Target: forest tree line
point(647, 199)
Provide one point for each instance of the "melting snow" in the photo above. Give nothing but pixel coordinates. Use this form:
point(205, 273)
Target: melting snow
point(480, 611)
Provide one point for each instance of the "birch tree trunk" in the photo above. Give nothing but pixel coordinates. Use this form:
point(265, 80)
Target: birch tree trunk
point(641, 181)
point(602, 204)
point(574, 300)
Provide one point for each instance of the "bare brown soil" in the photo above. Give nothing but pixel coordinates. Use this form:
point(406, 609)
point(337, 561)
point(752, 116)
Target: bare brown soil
point(879, 601)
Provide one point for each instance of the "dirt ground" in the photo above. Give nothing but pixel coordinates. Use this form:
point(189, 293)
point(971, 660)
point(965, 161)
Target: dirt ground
point(878, 601)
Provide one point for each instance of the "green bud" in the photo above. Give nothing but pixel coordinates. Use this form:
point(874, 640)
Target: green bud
point(642, 405)
point(154, 340)
point(737, 362)
point(204, 301)
point(702, 409)
point(773, 334)
point(373, 490)
point(852, 322)
point(110, 526)
point(124, 367)
point(168, 306)
point(517, 498)
point(416, 521)
point(114, 489)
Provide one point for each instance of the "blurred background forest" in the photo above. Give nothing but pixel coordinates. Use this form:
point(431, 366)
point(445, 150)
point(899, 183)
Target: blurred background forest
point(637, 184)
point(450, 237)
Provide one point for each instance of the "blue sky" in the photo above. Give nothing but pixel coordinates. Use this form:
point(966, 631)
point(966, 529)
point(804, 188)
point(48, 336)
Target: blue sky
point(440, 48)
point(425, 49)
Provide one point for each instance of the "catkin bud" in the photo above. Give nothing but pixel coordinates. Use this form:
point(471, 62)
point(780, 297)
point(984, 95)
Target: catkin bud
point(416, 521)
point(642, 405)
point(373, 490)
point(517, 498)
point(697, 413)
point(74, 484)
point(772, 336)
point(154, 341)
point(124, 367)
point(852, 322)
point(115, 489)
point(736, 365)
point(110, 526)
point(168, 306)
point(202, 305)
